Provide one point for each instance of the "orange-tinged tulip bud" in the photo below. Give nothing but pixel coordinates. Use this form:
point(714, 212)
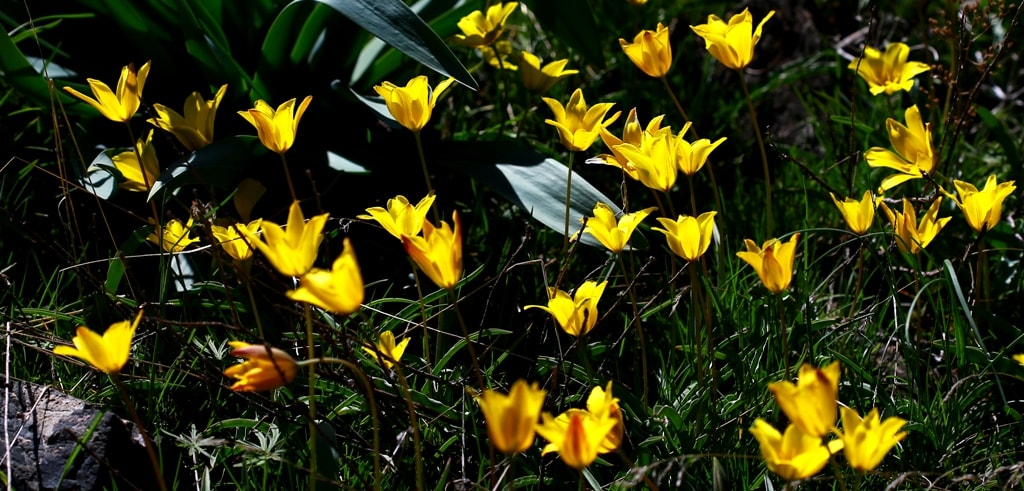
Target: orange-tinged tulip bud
point(277, 128)
point(401, 217)
point(195, 129)
point(688, 237)
point(577, 124)
point(611, 233)
point(511, 419)
point(866, 441)
point(576, 315)
point(108, 352)
point(121, 105)
point(888, 72)
point(732, 44)
point(412, 105)
point(339, 290)
point(292, 251)
point(264, 368)
point(794, 455)
point(650, 51)
point(773, 261)
point(389, 352)
point(858, 214)
point(811, 402)
point(438, 252)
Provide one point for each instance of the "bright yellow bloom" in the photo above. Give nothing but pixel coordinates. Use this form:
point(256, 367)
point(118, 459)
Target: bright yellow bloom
point(505, 50)
point(479, 29)
point(127, 163)
point(512, 419)
point(237, 240)
point(412, 105)
point(732, 44)
point(603, 405)
point(292, 251)
point(264, 368)
point(868, 440)
point(195, 129)
point(107, 353)
point(913, 144)
point(277, 129)
point(577, 125)
point(339, 290)
point(858, 214)
point(173, 237)
point(117, 106)
point(539, 79)
point(910, 236)
point(795, 454)
point(889, 72)
point(438, 252)
point(810, 404)
point(983, 209)
point(1019, 358)
point(650, 51)
point(576, 435)
point(632, 134)
point(654, 161)
point(692, 156)
point(391, 353)
point(773, 261)
point(576, 315)
point(401, 217)
point(688, 237)
point(637, 2)
point(611, 233)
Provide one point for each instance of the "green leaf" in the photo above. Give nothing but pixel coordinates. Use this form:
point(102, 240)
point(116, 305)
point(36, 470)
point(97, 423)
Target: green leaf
point(571, 21)
point(528, 180)
point(19, 72)
point(395, 24)
point(208, 45)
point(219, 164)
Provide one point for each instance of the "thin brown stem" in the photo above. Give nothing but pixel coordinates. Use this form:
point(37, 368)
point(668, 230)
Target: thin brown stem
point(469, 342)
point(288, 177)
point(764, 154)
point(639, 327)
point(407, 396)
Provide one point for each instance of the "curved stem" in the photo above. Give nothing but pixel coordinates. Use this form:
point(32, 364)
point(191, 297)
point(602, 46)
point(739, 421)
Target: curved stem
point(150, 447)
point(764, 154)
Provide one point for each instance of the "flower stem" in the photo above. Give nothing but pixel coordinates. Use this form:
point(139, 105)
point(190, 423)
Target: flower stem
point(568, 202)
point(313, 429)
point(288, 177)
point(255, 313)
point(861, 251)
point(504, 88)
point(784, 333)
point(686, 118)
point(469, 342)
point(423, 315)
point(407, 395)
point(426, 173)
point(150, 447)
point(764, 154)
point(639, 328)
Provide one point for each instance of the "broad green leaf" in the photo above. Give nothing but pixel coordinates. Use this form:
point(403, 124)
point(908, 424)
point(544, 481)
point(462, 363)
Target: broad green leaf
point(208, 45)
point(16, 70)
point(530, 181)
point(394, 23)
point(571, 21)
point(289, 41)
point(219, 164)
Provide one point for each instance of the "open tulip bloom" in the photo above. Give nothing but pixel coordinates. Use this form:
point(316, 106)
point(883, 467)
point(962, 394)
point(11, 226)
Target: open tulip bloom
point(912, 237)
point(195, 129)
point(732, 44)
point(121, 105)
point(138, 177)
point(480, 29)
point(601, 405)
point(576, 315)
point(611, 233)
point(688, 237)
point(173, 237)
point(810, 403)
point(292, 251)
point(577, 435)
point(412, 105)
point(238, 239)
point(858, 214)
point(401, 217)
point(107, 352)
point(512, 419)
point(867, 440)
point(277, 128)
point(983, 209)
point(539, 79)
point(888, 72)
point(632, 134)
point(339, 290)
point(438, 252)
point(793, 455)
point(913, 155)
point(578, 125)
point(773, 261)
point(386, 351)
point(650, 51)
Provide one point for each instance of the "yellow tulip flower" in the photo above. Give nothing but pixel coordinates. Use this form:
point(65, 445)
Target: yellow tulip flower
point(237, 239)
point(912, 237)
point(868, 440)
point(576, 435)
point(339, 290)
point(504, 49)
point(794, 455)
point(576, 315)
point(889, 72)
point(438, 252)
point(401, 217)
point(121, 105)
point(277, 128)
point(172, 237)
point(127, 163)
point(692, 156)
point(412, 105)
point(537, 79)
point(633, 134)
point(603, 405)
point(195, 129)
point(688, 237)
point(292, 251)
point(512, 419)
point(858, 214)
point(578, 125)
point(810, 404)
point(479, 29)
point(1019, 358)
point(390, 353)
point(654, 161)
point(913, 144)
point(732, 44)
point(773, 261)
point(650, 51)
point(983, 209)
point(108, 352)
point(264, 368)
point(611, 233)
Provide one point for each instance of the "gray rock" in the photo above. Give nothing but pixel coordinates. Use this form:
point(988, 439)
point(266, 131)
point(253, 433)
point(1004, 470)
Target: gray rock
point(45, 428)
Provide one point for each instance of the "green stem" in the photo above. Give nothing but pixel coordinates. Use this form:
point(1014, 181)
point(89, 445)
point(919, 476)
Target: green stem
point(568, 202)
point(423, 315)
point(407, 395)
point(698, 324)
point(255, 313)
point(469, 342)
point(679, 107)
point(861, 251)
point(288, 177)
point(313, 429)
point(639, 328)
point(784, 332)
point(764, 154)
point(500, 78)
point(150, 447)
point(686, 118)
point(426, 173)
